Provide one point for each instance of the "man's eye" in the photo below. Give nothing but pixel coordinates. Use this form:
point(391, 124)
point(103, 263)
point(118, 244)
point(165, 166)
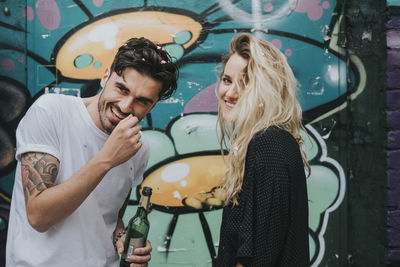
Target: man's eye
point(144, 102)
point(123, 90)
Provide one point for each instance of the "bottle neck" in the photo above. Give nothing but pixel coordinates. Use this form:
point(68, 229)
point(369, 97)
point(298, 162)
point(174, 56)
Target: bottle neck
point(144, 203)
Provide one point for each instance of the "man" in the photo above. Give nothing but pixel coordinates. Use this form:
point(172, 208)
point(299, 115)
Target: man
point(77, 161)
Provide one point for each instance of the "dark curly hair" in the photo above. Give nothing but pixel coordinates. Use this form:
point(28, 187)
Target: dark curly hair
point(149, 59)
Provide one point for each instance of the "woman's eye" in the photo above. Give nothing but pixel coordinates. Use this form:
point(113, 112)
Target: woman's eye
point(227, 81)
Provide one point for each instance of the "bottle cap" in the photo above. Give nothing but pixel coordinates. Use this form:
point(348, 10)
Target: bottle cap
point(147, 191)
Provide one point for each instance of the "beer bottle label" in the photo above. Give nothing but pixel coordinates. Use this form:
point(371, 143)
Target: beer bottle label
point(135, 243)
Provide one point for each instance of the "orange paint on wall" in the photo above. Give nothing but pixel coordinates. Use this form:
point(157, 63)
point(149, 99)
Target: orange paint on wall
point(102, 38)
point(192, 177)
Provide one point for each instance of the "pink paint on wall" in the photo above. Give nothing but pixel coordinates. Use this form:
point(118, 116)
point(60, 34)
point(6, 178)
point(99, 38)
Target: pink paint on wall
point(48, 13)
point(277, 43)
point(98, 3)
point(312, 8)
point(28, 13)
point(7, 64)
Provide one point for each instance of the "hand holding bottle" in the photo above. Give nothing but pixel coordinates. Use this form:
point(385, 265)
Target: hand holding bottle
point(141, 256)
point(136, 248)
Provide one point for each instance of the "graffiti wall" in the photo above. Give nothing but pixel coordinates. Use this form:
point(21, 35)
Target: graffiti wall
point(50, 46)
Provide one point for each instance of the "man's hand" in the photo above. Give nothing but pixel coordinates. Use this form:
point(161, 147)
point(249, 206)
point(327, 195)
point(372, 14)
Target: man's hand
point(141, 256)
point(123, 142)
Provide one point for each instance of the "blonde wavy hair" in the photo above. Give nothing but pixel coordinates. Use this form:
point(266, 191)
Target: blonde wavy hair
point(267, 97)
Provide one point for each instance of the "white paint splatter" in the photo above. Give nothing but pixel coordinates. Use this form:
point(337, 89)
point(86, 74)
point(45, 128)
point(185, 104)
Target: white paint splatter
point(162, 249)
point(105, 33)
point(177, 195)
point(175, 172)
point(173, 100)
point(240, 15)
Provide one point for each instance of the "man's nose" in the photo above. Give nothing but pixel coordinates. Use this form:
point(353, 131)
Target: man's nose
point(126, 105)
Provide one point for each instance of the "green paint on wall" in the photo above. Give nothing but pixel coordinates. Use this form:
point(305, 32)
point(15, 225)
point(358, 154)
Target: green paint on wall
point(393, 2)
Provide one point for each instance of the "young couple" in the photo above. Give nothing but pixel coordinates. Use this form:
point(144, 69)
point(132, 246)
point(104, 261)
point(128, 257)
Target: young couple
point(79, 157)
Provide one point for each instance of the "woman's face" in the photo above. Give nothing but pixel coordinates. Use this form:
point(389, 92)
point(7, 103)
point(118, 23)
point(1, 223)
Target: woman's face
point(227, 89)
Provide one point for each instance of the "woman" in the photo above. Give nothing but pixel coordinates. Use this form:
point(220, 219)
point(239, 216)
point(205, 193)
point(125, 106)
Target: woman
point(265, 219)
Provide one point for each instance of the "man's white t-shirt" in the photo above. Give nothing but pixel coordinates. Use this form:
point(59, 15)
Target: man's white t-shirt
point(60, 125)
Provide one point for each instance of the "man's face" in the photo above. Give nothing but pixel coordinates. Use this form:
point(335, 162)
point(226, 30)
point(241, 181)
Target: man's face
point(131, 93)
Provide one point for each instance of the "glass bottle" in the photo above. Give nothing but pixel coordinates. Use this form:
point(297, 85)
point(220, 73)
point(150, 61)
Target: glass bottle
point(138, 228)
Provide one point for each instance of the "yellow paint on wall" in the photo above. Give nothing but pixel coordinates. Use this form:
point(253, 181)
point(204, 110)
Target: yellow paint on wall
point(191, 178)
point(102, 38)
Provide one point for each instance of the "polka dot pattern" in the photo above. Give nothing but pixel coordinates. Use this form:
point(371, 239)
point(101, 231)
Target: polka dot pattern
point(269, 227)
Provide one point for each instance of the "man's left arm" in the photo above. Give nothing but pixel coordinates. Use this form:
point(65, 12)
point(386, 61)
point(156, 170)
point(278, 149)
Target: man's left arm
point(120, 228)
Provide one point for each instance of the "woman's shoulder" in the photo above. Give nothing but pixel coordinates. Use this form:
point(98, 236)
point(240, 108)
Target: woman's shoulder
point(277, 149)
point(273, 142)
point(273, 134)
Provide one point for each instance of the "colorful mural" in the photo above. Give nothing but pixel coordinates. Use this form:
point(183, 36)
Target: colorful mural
point(66, 45)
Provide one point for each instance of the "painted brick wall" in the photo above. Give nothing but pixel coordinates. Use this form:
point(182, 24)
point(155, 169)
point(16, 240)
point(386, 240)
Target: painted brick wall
point(393, 141)
point(356, 232)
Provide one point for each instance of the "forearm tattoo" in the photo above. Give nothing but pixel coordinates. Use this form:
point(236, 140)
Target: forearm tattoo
point(39, 171)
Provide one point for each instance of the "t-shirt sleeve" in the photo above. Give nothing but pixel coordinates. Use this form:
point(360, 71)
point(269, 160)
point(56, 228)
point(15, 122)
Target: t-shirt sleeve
point(37, 131)
point(265, 195)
